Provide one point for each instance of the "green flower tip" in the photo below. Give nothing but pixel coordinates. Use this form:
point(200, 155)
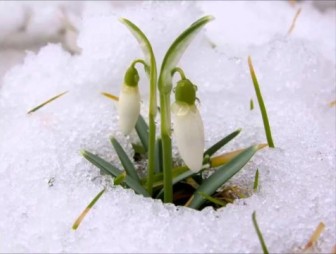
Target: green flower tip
point(131, 77)
point(185, 92)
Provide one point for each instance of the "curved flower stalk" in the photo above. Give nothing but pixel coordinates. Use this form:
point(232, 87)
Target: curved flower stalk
point(129, 101)
point(188, 125)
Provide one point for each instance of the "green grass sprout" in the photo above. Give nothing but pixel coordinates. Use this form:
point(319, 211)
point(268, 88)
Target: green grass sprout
point(256, 180)
point(87, 209)
point(120, 178)
point(260, 236)
point(261, 105)
point(46, 102)
point(251, 104)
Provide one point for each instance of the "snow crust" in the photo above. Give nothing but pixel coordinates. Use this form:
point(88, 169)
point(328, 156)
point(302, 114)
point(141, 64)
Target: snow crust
point(45, 183)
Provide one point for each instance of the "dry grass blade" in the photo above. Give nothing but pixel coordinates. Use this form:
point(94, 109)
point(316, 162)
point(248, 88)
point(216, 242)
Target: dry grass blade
point(291, 28)
point(110, 96)
point(87, 209)
point(262, 106)
point(315, 236)
point(213, 200)
point(332, 104)
point(46, 102)
point(226, 157)
point(334, 250)
point(292, 2)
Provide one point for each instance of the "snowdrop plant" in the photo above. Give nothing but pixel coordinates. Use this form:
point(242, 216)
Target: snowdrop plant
point(184, 184)
point(188, 125)
point(129, 101)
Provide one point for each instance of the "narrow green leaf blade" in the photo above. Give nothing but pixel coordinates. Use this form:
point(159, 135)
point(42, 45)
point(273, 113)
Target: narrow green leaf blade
point(141, 129)
point(142, 40)
point(86, 210)
point(176, 51)
point(110, 169)
point(46, 102)
point(222, 175)
point(125, 160)
point(260, 236)
point(213, 149)
point(261, 103)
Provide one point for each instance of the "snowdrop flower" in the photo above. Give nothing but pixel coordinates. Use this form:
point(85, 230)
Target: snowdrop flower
point(188, 125)
point(129, 101)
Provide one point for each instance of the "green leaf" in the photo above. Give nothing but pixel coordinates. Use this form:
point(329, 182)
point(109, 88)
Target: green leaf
point(260, 236)
point(261, 105)
point(143, 42)
point(141, 128)
point(222, 175)
point(46, 102)
point(256, 180)
point(87, 209)
point(125, 161)
point(176, 51)
point(112, 170)
point(213, 149)
point(216, 201)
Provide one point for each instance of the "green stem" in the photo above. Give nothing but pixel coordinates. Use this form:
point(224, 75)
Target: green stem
point(180, 71)
point(151, 119)
point(166, 147)
point(152, 127)
point(139, 61)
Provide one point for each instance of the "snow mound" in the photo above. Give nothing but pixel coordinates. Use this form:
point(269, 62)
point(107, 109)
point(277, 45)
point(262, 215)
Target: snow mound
point(45, 183)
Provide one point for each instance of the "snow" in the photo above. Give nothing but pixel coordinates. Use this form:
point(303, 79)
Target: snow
point(45, 183)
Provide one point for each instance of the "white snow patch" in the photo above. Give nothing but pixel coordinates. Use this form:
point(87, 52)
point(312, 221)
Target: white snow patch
point(297, 78)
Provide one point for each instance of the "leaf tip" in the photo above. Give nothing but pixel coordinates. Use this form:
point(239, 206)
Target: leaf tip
point(83, 152)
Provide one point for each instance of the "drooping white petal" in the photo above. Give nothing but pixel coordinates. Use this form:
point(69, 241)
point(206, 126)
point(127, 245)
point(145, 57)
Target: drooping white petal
point(128, 108)
point(189, 134)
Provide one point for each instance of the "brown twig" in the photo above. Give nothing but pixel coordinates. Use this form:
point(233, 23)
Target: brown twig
point(294, 21)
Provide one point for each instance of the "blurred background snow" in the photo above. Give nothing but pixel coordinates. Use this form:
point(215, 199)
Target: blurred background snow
point(50, 47)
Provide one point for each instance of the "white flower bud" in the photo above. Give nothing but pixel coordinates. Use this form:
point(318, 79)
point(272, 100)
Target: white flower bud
point(189, 134)
point(128, 108)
